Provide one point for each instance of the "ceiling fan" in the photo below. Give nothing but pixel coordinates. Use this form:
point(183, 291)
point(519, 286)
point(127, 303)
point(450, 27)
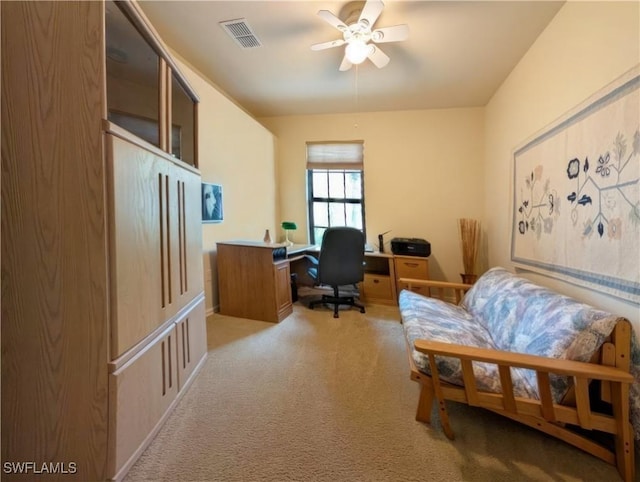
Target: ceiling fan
point(358, 33)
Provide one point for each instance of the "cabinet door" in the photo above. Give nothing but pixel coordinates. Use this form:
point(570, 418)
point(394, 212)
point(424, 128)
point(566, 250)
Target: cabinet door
point(137, 243)
point(282, 276)
point(155, 241)
point(191, 331)
point(186, 236)
point(140, 393)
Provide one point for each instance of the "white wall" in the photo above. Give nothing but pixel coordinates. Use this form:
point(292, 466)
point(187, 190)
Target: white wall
point(422, 171)
point(585, 47)
point(238, 153)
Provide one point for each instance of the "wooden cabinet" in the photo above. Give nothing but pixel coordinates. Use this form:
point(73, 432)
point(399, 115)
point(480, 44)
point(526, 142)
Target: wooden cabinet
point(140, 394)
point(144, 387)
point(102, 285)
point(254, 280)
point(413, 267)
point(382, 274)
point(145, 93)
point(379, 284)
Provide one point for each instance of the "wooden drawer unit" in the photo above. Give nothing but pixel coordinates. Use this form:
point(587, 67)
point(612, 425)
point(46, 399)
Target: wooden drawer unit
point(412, 267)
point(377, 288)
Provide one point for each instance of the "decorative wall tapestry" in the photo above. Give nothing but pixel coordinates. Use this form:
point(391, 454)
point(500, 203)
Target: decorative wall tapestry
point(576, 213)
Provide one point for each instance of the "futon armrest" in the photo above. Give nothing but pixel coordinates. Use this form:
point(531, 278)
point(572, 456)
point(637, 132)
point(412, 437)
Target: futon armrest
point(570, 368)
point(444, 290)
point(435, 283)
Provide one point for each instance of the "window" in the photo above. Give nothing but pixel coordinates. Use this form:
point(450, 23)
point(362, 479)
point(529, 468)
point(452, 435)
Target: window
point(335, 186)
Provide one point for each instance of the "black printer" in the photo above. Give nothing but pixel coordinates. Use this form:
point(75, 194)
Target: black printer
point(410, 247)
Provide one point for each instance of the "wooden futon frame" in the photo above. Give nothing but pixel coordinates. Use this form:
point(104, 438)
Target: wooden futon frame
point(609, 367)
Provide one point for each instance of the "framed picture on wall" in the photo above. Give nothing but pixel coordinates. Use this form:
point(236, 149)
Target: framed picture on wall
point(211, 203)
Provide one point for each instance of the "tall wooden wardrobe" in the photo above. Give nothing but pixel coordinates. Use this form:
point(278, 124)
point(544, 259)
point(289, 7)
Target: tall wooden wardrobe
point(103, 320)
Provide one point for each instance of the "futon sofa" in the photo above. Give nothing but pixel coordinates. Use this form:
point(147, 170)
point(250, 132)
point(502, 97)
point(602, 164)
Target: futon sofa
point(528, 353)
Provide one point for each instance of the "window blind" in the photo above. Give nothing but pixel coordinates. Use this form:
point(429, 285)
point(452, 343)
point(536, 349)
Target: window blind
point(335, 155)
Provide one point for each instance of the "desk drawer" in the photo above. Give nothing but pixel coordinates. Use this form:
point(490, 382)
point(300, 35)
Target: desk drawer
point(411, 267)
point(377, 287)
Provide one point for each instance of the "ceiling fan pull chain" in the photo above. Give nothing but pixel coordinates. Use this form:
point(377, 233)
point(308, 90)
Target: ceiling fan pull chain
point(357, 106)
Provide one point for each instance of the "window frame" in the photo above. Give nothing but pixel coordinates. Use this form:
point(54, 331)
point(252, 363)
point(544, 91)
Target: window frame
point(312, 199)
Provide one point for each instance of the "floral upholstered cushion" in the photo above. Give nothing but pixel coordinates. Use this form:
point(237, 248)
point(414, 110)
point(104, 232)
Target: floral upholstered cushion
point(523, 317)
point(433, 319)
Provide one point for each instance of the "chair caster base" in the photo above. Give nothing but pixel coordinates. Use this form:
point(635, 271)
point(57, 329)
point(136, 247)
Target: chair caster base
point(336, 301)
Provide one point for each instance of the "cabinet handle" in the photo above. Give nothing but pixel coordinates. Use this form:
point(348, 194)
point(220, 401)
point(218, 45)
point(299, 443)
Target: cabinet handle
point(165, 238)
point(164, 371)
point(163, 280)
point(376, 281)
point(168, 235)
point(169, 357)
point(184, 355)
point(188, 346)
point(182, 238)
point(411, 265)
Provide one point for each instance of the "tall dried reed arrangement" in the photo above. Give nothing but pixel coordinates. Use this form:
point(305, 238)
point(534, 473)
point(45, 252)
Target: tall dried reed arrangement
point(470, 238)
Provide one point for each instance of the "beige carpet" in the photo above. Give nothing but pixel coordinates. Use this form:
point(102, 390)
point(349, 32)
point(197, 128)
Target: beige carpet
point(315, 398)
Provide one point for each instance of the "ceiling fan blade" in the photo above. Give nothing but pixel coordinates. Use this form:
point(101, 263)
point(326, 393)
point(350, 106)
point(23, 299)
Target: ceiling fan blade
point(378, 57)
point(397, 33)
point(346, 64)
point(328, 45)
point(332, 20)
point(371, 11)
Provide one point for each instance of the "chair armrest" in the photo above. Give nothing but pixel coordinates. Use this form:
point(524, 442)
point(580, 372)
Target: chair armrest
point(312, 259)
point(592, 371)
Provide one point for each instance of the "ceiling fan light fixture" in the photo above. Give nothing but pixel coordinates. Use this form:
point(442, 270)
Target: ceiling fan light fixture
point(356, 23)
point(357, 51)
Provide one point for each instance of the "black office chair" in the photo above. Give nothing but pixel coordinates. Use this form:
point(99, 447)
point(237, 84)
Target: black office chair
point(340, 263)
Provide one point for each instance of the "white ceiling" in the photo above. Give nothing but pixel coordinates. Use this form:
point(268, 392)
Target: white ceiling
point(457, 55)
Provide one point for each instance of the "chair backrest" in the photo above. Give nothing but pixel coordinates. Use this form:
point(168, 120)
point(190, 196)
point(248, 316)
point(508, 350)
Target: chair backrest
point(341, 260)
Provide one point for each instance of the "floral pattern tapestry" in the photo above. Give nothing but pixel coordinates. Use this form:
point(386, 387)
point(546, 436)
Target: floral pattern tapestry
point(576, 213)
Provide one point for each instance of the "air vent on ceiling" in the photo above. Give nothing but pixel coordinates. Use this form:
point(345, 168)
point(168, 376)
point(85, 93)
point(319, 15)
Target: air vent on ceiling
point(241, 32)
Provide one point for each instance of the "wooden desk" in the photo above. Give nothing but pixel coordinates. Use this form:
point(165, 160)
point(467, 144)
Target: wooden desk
point(382, 272)
point(254, 280)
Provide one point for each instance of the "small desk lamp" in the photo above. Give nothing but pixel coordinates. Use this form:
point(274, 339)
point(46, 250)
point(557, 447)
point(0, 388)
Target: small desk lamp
point(288, 226)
